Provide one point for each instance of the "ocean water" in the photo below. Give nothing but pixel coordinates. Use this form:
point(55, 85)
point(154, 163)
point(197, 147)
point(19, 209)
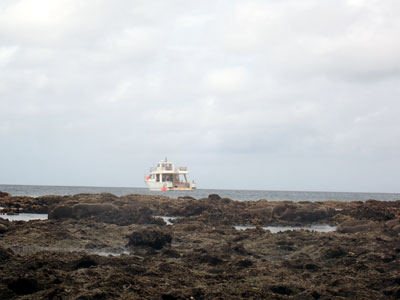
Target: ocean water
point(241, 195)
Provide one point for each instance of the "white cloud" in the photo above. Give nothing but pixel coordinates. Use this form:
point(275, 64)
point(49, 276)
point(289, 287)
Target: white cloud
point(39, 13)
point(287, 85)
point(6, 54)
point(227, 80)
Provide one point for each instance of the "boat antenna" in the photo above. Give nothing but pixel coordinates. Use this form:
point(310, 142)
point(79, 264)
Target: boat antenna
point(166, 159)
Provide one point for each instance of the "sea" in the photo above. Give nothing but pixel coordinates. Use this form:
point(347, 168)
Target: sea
point(240, 195)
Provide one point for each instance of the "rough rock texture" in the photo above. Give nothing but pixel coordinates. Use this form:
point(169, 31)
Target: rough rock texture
point(153, 238)
point(125, 252)
point(4, 194)
point(353, 226)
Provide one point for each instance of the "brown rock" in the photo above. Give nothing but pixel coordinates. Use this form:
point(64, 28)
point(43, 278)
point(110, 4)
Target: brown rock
point(4, 194)
point(392, 224)
point(24, 286)
point(214, 197)
point(152, 238)
point(88, 209)
point(5, 254)
point(3, 228)
point(61, 211)
point(354, 226)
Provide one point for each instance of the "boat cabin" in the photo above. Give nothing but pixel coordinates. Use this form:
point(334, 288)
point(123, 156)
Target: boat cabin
point(165, 175)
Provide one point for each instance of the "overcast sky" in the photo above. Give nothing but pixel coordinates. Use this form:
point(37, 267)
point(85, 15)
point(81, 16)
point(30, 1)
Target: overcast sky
point(271, 95)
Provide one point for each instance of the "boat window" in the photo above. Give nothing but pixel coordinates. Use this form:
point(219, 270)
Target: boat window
point(158, 177)
point(166, 177)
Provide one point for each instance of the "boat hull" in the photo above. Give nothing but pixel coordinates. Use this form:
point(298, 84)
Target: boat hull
point(169, 186)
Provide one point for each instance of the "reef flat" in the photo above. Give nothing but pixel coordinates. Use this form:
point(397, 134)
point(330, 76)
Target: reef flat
point(100, 246)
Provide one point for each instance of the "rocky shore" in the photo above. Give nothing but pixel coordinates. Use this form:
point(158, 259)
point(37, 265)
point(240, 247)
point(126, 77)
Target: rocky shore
point(100, 246)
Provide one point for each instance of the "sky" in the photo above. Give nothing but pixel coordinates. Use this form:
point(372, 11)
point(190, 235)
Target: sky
point(263, 94)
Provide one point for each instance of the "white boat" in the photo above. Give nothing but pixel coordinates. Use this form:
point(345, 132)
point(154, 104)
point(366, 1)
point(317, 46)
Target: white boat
point(165, 177)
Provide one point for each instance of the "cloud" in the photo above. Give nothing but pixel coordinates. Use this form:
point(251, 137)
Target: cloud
point(316, 38)
point(284, 86)
point(6, 54)
point(228, 80)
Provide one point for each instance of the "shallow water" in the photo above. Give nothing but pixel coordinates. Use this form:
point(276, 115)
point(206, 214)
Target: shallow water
point(167, 219)
point(24, 217)
point(276, 229)
point(108, 253)
point(273, 229)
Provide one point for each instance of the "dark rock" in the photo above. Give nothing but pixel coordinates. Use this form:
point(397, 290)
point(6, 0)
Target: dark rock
point(335, 253)
point(169, 297)
point(244, 263)
point(373, 210)
point(108, 197)
point(393, 225)
point(240, 249)
point(3, 228)
point(316, 295)
point(81, 210)
point(152, 238)
point(226, 200)
point(49, 199)
point(353, 226)
point(210, 259)
point(24, 286)
point(61, 212)
point(4, 194)
point(171, 253)
point(214, 197)
point(193, 208)
point(282, 290)
point(85, 262)
point(186, 198)
point(311, 267)
point(396, 229)
point(85, 210)
point(5, 254)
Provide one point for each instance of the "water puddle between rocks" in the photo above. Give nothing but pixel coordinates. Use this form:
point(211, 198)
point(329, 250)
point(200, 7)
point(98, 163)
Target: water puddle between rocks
point(276, 229)
point(24, 217)
point(109, 253)
point(167, 219)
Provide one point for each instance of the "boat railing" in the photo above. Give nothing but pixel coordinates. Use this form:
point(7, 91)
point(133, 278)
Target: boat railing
point(152, 169)
point(182, 168)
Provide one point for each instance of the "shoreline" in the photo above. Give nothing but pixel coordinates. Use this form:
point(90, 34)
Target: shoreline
point(240, 195)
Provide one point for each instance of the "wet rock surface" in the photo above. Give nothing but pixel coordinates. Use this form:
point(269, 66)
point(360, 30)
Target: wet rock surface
point(153, 238)
point(4, 194)
point(107, 247)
